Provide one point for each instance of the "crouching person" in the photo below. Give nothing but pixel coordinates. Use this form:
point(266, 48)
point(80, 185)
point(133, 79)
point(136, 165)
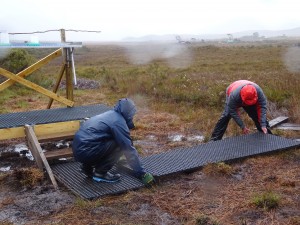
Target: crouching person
point(103, 139)
point(249, 96)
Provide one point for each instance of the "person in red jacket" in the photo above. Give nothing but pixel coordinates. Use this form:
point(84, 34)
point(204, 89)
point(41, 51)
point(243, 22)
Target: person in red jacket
point(250, 97)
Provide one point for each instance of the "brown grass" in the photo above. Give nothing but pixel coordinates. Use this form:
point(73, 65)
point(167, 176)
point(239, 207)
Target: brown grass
point(28, 177)
point(184, 198)
point(187, 101)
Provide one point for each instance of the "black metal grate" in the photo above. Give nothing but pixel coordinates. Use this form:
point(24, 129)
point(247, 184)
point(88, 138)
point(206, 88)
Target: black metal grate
point(228, 149)
point(70, 175)
point(177, 160)
point(50, 115)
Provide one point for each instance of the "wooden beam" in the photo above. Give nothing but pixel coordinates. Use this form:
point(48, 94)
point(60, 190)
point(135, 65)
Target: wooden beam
point(277, 121)
point(34, 149)
point(67, 60)
point(43, 131)
point(57, 137)
point(69, 77)
point(36, 87)
point(38, 154)
point(60, 153)
point(288, 126)
point(60, 75)
point(31, 69)
point(11, 133)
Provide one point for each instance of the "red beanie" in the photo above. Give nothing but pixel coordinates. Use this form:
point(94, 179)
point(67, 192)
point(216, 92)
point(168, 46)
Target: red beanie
point(249, 94)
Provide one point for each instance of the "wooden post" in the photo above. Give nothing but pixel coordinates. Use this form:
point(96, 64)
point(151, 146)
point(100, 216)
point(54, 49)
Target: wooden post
point(67, 62)
point(60, 75)
point(38, 153)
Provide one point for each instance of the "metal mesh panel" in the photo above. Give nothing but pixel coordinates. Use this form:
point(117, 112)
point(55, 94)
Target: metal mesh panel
point(70, 175)
point(177, 160)
point(228, 149)
point(50, 115)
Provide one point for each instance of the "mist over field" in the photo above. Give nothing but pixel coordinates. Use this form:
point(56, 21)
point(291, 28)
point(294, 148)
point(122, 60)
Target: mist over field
point(177, 56)
point(292, 59)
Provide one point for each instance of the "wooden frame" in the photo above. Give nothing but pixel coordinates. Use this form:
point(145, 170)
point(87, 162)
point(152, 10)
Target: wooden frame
point(31, 68)
point(66, 68)
point(43, 131)
point(38, 154)
point(35, 87)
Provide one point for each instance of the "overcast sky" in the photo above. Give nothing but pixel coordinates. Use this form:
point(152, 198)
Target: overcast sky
point(118, 19)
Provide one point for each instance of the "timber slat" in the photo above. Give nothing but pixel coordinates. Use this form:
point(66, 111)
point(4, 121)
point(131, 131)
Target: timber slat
point(277, 121)
point(60, 153)
point(288, 126)
point(56, 137)
point(38, 153)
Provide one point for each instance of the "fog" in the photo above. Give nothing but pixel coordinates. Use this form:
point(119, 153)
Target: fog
point(118, 19)
point(292, 59)
point(174, 54)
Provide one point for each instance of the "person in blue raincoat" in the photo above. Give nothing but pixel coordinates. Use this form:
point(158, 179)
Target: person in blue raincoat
point(103, 139)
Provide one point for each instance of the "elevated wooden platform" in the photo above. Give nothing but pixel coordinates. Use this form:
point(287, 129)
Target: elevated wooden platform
point(48, 123)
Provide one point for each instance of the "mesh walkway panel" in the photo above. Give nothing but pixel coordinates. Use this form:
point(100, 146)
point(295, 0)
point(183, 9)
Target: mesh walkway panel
point(50, 115)
point(224, 150)
point(70, 175)
point(177, 160)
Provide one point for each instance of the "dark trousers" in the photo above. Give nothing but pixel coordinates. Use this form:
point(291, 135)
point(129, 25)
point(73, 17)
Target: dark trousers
point(106, 157)
point(222, 123)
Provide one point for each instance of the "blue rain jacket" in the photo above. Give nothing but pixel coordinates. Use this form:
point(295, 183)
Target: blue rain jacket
point(114, 125)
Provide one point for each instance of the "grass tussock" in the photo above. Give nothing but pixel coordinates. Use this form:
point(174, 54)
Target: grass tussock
point(6, 223)
point(266, 200)
point(205, 220)
point(218, 169)
point(85, 204)
point(28, 177)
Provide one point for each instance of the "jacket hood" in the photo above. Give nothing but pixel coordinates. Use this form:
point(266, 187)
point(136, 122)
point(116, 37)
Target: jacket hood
point(127, 109)
point(249, 94)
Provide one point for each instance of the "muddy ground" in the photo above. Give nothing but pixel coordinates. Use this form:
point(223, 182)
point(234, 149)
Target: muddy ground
point(215, 194)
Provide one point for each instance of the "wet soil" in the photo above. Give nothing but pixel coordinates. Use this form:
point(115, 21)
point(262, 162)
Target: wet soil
point(207, 196)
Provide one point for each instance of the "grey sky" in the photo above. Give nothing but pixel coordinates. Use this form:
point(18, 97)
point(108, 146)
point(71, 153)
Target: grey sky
point(117, 19)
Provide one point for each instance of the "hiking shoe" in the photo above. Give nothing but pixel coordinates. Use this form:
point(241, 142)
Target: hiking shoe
point(106, 177)
point(87, 170)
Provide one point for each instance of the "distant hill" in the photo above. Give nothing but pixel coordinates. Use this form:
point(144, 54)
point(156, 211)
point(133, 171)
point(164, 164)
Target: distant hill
point(271, 33)
point(171, 37)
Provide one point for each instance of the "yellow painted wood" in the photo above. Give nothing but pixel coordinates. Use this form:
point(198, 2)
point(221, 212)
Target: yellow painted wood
point(36, 87)
point(56, 129)
point(43, 131)
point(38, 153)
point(57, 137)
point(31, 68)
point(11, 133)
